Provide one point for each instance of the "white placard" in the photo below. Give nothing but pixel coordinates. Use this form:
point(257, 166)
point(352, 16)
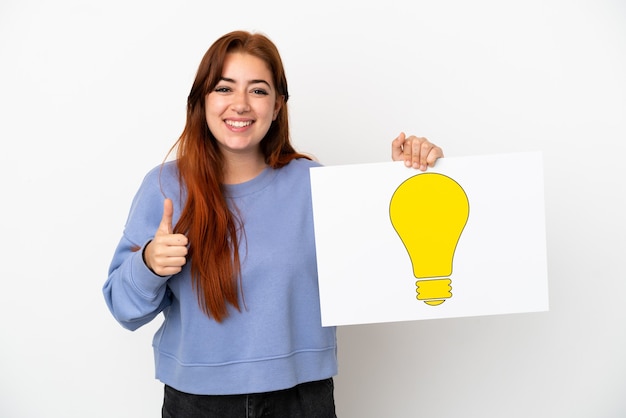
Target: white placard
point(373, 265)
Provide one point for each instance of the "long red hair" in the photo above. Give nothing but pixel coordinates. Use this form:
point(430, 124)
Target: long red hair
point(214, 231)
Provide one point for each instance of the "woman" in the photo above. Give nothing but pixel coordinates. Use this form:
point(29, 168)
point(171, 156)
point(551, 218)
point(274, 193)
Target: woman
point(221, 241)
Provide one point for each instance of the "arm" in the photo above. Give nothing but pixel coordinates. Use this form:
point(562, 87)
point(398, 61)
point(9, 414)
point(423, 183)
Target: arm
point(133, 293)
point(136, 289)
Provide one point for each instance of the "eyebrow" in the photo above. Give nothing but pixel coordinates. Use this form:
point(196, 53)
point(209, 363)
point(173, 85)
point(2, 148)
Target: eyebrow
point(230, 80)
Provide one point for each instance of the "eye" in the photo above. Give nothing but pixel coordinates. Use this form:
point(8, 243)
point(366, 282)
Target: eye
point(260, 92)
point(221, 89)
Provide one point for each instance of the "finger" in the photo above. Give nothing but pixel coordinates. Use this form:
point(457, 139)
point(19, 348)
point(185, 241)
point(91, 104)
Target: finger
point(424, 149)
point(408, 150)
point(165, 226)
point(434, 154)
point(175, 240)
point(423, 153)
point(412, 152)
point(168, 271)
point(396, 147)
point(166, 254)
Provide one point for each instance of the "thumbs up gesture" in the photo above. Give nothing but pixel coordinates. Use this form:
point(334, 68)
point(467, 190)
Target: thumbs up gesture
point(165, 254)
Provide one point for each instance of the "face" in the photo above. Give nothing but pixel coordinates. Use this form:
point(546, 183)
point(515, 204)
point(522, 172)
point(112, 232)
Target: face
point(243, 104)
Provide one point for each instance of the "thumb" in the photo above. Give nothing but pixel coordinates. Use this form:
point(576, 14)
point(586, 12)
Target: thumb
point(397, 145)
point(165, 227)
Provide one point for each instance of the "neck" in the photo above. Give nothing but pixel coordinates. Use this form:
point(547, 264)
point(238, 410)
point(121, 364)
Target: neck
point(242, 168)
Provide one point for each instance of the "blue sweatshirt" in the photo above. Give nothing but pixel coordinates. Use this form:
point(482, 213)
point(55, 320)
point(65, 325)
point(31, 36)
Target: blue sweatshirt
point(277, 340)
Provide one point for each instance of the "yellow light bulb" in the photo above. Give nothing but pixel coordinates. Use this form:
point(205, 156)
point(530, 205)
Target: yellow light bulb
point(429, 212)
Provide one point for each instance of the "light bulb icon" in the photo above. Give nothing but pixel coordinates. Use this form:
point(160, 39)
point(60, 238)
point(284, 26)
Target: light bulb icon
point(429, 212)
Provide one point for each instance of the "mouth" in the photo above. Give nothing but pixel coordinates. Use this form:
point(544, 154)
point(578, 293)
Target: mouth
point(238, 123)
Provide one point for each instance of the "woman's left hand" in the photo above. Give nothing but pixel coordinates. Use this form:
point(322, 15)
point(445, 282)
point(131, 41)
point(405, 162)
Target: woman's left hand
point(415, 152)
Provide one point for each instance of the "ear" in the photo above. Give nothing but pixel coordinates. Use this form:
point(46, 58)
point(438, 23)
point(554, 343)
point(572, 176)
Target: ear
point(278, 105)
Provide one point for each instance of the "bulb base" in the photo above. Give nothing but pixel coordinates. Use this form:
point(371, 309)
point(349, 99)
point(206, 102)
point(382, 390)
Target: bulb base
point(433, 292)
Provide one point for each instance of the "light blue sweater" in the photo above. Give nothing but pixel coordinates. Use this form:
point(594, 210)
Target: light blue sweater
point(277, 341)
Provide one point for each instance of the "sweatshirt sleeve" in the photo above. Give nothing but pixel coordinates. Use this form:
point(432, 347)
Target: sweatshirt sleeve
point(133, 293)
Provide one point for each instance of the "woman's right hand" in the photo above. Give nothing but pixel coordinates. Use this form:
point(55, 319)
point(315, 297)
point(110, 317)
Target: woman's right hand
point(166, 254)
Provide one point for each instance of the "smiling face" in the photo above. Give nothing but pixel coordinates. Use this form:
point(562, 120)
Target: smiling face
point(243, 104)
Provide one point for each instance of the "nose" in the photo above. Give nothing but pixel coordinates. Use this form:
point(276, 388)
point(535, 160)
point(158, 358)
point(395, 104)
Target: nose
point(240, 103)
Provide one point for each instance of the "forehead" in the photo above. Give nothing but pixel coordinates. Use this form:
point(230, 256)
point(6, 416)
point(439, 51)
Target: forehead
point(242, 67)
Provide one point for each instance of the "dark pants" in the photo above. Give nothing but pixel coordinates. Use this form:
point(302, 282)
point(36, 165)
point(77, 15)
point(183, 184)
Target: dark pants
point(307, 400)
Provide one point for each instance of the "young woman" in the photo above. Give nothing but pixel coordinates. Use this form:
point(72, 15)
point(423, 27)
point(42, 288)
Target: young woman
point(221, 241)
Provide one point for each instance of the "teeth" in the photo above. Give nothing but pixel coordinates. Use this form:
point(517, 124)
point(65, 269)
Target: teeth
point(238, 124)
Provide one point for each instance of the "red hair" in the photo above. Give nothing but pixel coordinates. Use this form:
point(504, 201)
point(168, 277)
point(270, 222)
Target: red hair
point(214, 231)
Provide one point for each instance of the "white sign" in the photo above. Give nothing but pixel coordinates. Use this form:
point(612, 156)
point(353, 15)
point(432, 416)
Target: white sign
point(465, 238)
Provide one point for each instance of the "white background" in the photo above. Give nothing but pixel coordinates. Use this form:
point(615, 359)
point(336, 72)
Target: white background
point(92, 95)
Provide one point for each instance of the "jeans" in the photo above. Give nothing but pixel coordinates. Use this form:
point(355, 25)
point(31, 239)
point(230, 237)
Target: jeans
point(307, 400)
